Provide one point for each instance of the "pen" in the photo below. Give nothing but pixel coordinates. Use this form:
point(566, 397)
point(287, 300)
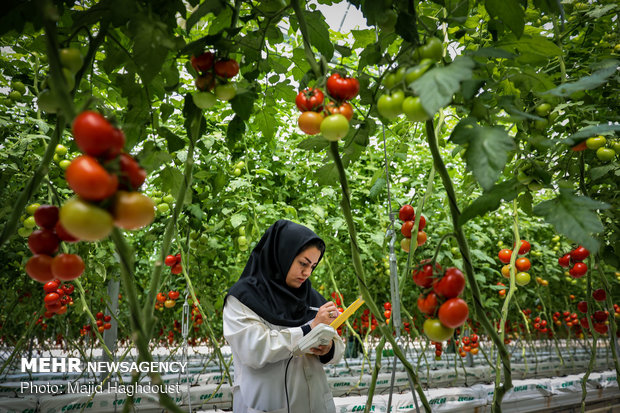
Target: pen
point(313, 308)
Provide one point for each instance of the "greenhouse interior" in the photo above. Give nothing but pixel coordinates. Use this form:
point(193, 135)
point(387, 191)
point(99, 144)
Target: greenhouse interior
point(310, 206)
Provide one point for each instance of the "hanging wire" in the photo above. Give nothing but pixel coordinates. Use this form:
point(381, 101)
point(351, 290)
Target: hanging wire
point(344, 17)
point(185, 334)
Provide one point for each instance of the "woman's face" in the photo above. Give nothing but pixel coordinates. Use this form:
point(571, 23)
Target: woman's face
point(302, 267)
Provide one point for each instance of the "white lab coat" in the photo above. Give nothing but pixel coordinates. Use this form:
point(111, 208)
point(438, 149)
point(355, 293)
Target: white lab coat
point(260, 353)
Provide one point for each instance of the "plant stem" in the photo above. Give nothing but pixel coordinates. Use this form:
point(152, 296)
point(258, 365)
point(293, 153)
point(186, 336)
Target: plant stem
point(464, 248)
point(610, 308)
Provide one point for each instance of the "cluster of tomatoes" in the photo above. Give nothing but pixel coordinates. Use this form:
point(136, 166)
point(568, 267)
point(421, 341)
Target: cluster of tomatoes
point(468, 345)
point(522, 264)
point(438, 349)
point(167, 301)
point(57, 297)
point(175, 329)
point(442, 304)
point(103, 322)
point(574, 260)
point(213, 79)
point(502, 292)
point(599, 317)
point(387, 313)
point(44, 243)
point(407, 215)
point(331, 119)
point(71, 61)
point(395, 101)
point(605, 150)
point(196, 317)
point(174, 262)
point(105, 180)
point(368, 321)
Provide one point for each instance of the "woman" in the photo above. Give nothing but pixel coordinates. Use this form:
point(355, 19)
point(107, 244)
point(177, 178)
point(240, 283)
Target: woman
point(266, 313)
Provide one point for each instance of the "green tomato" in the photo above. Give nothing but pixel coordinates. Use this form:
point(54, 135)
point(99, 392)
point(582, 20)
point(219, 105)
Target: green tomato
point(433, 49)
point(204, 100)
point(435, 331)
point(616, 146)
point(64, 164)
point(156, 200)
point(19, 86)
point(241, 230)
point(30, 222)
point(85, 220)
point(242, 240)
point(24, 232)
point(48, 101)
point(541, 124)
point(30, 209)
point(556, 238)
point(412, 106)
point(522, 278)
point(535, 186)
point(596, 142)
point(271, 6)
point(543, 109)
point(390, 80)
point(400, 74)
point(389, 107)
point(57, 158)
point(226, 91)
point(334, 127)
point(71, 59)
point(605, 154)
point(240, 164)
point(237, 172)
point(61, 150)
point(69, 78)
point(15, 95)
point(523, 178)
point(163, 208)
point(169, 199)
point(455, 250)
point(417, 71)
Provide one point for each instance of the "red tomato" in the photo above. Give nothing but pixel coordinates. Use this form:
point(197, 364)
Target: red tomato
point(406, 228)
point(427, 304)
point(227, 68)
point(132, 210)
point(170, 260)
point(89, 179)
point(582, 306)
point(67, 267)
point(107, 318)
point(599, 295)
point(310, 99)
point(51, 298)
point(387, 305)
point(99, 316)
point(50, 286)
point(387, 313)
point(600, 316)
point(579, 254)
point(580, 147)
point(173, 295)
point(161, 297)
point(453, 313)
point(523, 264)
point(310, 122)
point(423, 273)
point(205, 82)
point(203, 62)
point(504, 255)
point(344, 109)
point(95, 136)
point(421, 238)
point(46, 216)
point(601, 328)
point(451, 284)
point(342, 88)
point(176, 268)
point(524, 248)
point(564, 260)
point(39, 268)
point(61, 310)
point(578, 270)
point(131, 176)
point(68, 288)
point(406, 213)
point(43, 241)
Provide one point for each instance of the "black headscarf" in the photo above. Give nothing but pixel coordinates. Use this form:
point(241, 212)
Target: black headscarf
point(262, 285)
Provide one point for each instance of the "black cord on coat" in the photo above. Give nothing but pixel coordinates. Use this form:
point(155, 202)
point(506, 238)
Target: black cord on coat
point(288, 407)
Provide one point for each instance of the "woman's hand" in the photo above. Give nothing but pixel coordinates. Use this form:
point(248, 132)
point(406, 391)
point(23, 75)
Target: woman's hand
point(326, 314)
point(322, 350)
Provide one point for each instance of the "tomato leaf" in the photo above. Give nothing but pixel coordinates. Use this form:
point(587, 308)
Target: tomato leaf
point(590, 82)
point(243, 103)
point(437, 86)
point(151, 46)
point(490, 200)
point(327, 174)
point(573, 216)
point(319, 33)
point(173, 141)
point(525, 202)
point(315, 143)
point(531, 48)
point(487, 149)
point(588, 131)
point(265, 121)
point(235, 131)
point(363, 38)
point(509, 12)
point(205, 8)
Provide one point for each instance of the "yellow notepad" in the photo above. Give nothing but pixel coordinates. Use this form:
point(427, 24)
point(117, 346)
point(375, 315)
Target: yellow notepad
point(347, 313)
